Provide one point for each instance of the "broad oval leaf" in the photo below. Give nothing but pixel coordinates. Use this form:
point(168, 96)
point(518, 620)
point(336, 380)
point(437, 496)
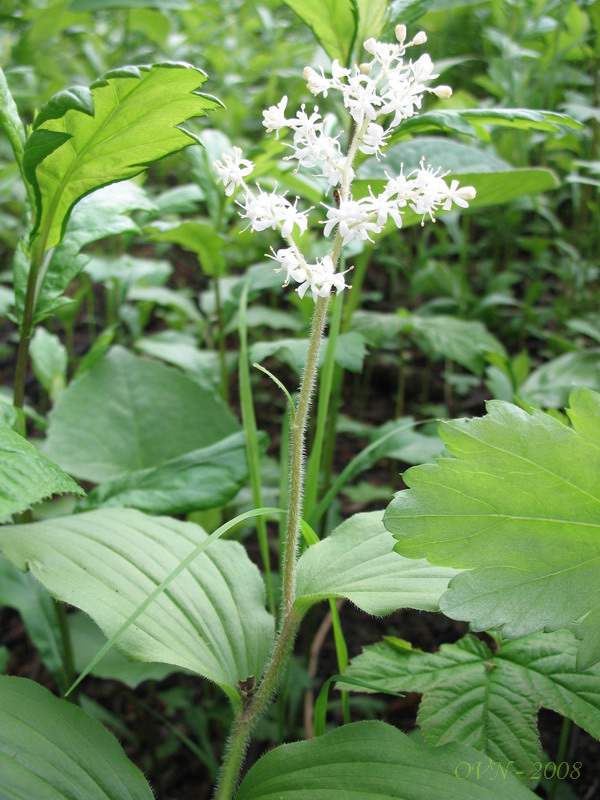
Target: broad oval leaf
point(372, 761)
point(488, 700)
point(51, 749)
point(519, 507)
point(333, 23)
point(27, 476)
point(211, 619)
point(357, 561)
point(127, 414)
point(126, 119)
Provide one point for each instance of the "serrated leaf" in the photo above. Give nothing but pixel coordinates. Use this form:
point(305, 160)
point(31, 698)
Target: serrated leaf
point(127, 414)
point(27, 475)
point(489, 700)
point(127, 119)
point(333, 23)
point(357, 561)
point(371, 761)
point(205, 478)
point(519, 507)
point(50, 748)
point(211, 619)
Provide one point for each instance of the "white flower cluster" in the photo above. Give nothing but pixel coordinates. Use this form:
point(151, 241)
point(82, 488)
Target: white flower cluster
point(384, 89)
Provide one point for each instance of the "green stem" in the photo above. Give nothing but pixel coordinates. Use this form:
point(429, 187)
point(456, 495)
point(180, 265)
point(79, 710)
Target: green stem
point(221, 337)
point(561, 754)
point(67, 646)
point(325, 385)
point(290, 619)
point(26, 329)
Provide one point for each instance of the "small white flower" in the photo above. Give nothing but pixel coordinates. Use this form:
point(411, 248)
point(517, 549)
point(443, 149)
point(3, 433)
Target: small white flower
point(361, 98)
point(317, 84)
point(233, 170)
point(274, 117)
point(321, 278)
point(373, 140)
point(458, 195)
point(272, 210)
point(352, 218)
point(289, 262)
point(384, 207)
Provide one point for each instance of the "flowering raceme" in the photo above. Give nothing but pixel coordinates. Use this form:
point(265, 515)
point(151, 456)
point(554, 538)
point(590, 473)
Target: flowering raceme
point(379, 94)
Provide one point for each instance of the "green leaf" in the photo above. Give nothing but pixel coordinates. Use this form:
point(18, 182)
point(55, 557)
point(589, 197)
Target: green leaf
point(51, 749)
point(494, 179)
point(357, 561)
point(349, 352)
point(38, 615)
point(406, 12)
point(127, 414)
point(27, 476)
point(100, 5)
point(127, 119)
point(463, 341)
point(333, 23)
point(197, 237)
point(88, 639)
point(211, 619)
point(459, 121)
point(205, 478)
point(488, 700)
point(49, 359)
point(519, 507)
point(371, 19)
point(371, 761)
point(549, 385)
point(181, 351)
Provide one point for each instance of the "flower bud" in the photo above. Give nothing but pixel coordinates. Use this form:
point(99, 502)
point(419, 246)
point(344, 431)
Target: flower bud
point(365, 68)
point(420, 38)
point(308, 73)
point(370, 45)
point(443, 92)
point(467, 192)
point(400, 31)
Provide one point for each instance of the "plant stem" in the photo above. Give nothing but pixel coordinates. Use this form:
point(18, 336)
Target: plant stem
point(67, 646)
point(290, 618)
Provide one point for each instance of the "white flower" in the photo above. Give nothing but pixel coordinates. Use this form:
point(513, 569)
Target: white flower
point(352, 218)
point(233, 170)
point(288, 260)
point(383, 206)
point(321, 278)
point(361, 98)
point(373, 140)
point(273, 211)
point(317, 84)
point(274, 117)
point(458, 195)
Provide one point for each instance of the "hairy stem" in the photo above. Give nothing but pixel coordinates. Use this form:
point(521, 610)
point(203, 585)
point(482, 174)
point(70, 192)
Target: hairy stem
point(290, 618)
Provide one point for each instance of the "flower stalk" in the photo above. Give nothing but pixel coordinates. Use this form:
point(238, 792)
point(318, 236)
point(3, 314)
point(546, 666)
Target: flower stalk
point(373, 91)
